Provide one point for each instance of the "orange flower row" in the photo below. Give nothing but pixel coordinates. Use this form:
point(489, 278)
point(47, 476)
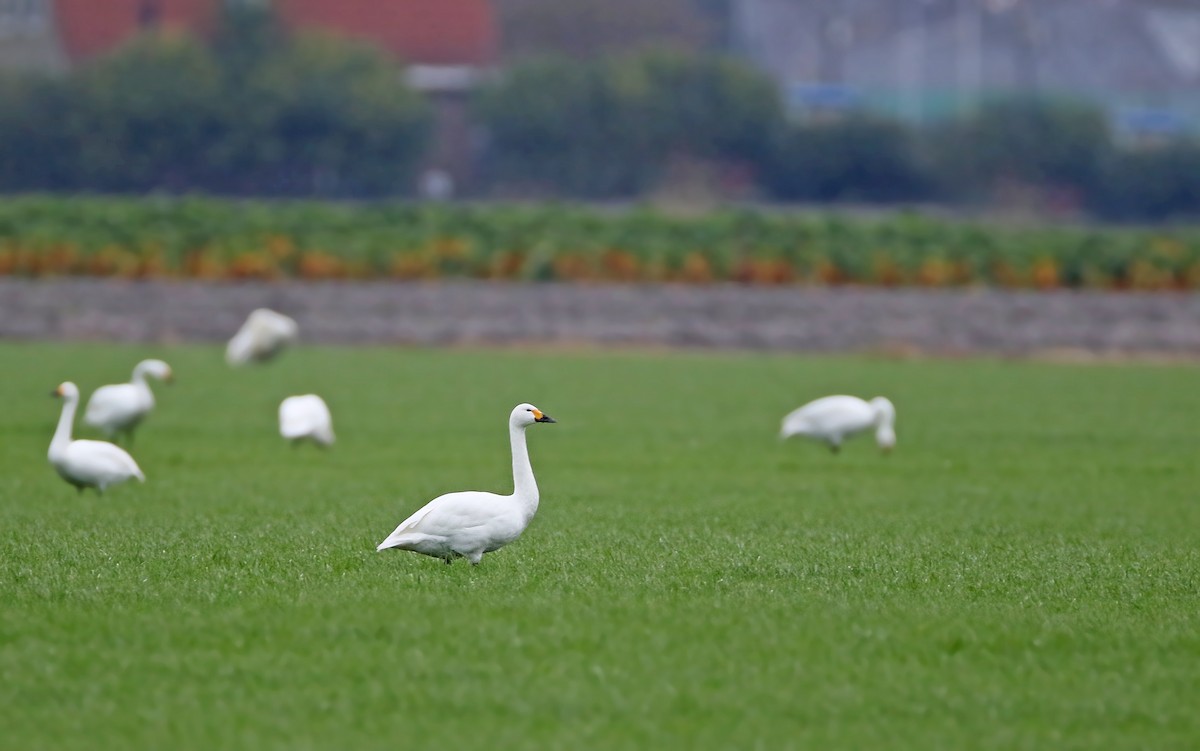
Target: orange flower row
point(279, 258)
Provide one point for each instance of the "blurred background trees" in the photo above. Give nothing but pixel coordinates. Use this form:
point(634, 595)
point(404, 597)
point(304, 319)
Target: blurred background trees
point(594, 100)
point(254, 112)
point(610, 127)
point(858, 159)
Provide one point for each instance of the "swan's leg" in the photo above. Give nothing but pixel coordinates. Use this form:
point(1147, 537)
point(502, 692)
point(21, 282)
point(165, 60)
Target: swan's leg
point(835, 445)
point(475, 556)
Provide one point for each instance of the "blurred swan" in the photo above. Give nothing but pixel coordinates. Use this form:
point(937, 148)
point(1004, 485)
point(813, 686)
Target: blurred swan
point(834, 418)
point(264, 335)
point(87, 464)
point(306, 416)
point(473, 522)
point(121, 406)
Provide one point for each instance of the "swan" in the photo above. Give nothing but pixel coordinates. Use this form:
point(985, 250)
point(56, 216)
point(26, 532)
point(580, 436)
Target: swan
point(121, 406)
point(471, 523)
point(264, 335)
point(833, 418)
point(87, 464)
point(306, 416)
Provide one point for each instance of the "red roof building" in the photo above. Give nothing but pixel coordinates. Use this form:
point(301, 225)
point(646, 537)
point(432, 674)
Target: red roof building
point(446, 45)
point(87, 28)
point(426, 32)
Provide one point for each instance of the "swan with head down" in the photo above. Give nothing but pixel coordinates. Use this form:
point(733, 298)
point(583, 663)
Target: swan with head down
point(263, 336)
point(306, 416)
point(834, 418)
point(470, 523)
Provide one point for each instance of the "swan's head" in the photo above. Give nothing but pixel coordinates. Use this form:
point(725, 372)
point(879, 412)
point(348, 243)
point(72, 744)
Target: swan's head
point(524, 415)
point(156, 369)
point(66, 390)
point(885, 420)
point(885, 437)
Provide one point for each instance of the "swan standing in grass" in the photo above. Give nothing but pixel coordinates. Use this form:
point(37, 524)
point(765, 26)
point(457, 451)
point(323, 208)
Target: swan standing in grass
point(473, 522)
point(306, 416)
point(87, 464)
point(121, 406)
point(834, 418)
point(264, 335)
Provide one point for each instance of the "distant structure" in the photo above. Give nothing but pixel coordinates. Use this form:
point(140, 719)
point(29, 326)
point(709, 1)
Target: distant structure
point(448, 45)
point(29, 37)
point(925, 59)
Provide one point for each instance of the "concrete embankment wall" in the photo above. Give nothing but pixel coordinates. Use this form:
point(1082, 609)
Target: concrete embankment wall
point(728, 316)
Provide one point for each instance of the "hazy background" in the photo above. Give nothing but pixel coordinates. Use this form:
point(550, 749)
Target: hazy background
point(1076, 108)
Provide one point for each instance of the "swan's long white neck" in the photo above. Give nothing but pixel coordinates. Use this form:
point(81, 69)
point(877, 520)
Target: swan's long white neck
point(62, 434)
point(139, 377)
point(139, 381)
point(525, 487)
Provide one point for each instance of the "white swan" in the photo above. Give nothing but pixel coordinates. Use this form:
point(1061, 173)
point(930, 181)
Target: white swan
point(306, 416)
point(264, 335)
point(833, 418)
point(471, 523)
point(121, 406)
point(87, 464)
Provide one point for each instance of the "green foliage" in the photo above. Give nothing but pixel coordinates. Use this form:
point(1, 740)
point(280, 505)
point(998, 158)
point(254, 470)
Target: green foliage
point(148, 115)
point(244, 39)
point(706, 106)
point(609, 127)
point(560, 123)
point(1021, 573)
point(258, 112)
point(859, 159)
point(1033, 141)
point(1155, 183)
point(330, 112)
point(38, 124)
point(211, 238)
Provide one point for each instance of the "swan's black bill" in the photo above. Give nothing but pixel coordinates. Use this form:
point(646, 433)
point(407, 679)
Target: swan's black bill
point(544, 418)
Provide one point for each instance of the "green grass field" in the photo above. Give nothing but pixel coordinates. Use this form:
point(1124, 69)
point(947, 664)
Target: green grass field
point(1022, 573)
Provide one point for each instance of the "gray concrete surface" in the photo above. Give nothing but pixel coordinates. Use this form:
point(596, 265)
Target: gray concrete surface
point(947, 322)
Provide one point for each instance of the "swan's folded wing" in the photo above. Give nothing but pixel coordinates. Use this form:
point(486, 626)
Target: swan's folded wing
point(446, 515)
point(296, 423)
point(797, 422)
point(107, 457)
point(308, 415)
point(824, 414)
point(107, 402)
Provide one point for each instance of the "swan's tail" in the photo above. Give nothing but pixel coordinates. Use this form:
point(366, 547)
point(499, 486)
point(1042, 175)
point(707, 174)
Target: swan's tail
point(392, 541)
point(403, 539)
